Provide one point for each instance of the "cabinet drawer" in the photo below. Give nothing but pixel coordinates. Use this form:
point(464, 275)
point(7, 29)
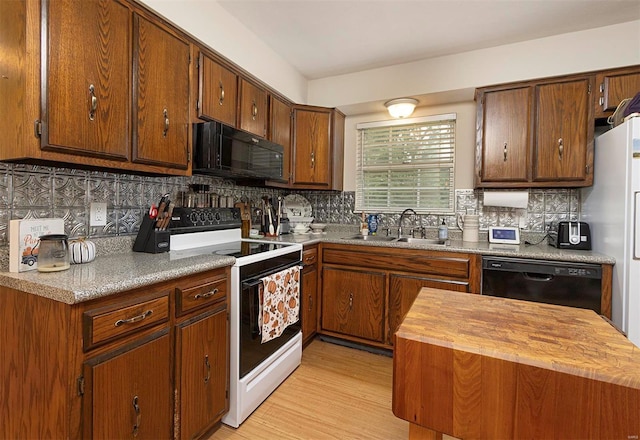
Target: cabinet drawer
point(115, 321)
point(442, 263)
point(206, 292)
point(310, 256)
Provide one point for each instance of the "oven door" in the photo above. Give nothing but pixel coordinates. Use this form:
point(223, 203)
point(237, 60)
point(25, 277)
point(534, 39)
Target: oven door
point(252, 351)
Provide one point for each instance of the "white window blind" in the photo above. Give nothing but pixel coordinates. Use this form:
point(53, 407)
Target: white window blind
point(406, 164)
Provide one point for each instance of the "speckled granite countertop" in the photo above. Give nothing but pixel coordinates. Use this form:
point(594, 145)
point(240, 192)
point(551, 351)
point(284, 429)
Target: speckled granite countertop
point(540, 251)
point(109, 274)
point(117, 268)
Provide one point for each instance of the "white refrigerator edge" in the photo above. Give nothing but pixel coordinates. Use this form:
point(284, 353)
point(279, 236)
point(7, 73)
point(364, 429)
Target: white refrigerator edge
point(612, 208)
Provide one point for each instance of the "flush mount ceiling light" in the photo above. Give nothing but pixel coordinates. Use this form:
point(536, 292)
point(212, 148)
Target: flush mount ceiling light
point(401, 107)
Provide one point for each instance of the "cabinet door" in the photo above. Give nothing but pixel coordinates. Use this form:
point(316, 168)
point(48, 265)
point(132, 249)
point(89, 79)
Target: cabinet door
point(161, 87)
point(403, 291)
point(129, 393)
point(504, 135)
point(613, 87)
point(353, 303)
point(280, 131)
point(203, 373)
point(309, 302)
point(253, 109)
point(218, 92)
point(312, 148)
point(564, 132)
point(86, 78)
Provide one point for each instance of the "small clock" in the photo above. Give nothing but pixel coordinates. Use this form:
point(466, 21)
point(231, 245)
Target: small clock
point(504, 235)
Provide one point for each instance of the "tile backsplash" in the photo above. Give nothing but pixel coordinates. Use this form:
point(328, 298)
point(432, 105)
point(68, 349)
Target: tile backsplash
point(28, 191)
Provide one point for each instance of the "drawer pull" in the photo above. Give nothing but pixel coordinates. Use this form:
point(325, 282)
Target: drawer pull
point(137, 318)
point(350, 301)
point(206, 295)
point(208, 366)
point(310, 259)
point(136, 409)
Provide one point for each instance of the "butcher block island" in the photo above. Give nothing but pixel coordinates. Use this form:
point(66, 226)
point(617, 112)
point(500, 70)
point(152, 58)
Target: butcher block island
point(482, 367)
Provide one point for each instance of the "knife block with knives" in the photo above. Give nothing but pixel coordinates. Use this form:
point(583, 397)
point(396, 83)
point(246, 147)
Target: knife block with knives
point(153, 235)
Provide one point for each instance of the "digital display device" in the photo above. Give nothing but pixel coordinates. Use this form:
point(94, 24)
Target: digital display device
point(504, 234)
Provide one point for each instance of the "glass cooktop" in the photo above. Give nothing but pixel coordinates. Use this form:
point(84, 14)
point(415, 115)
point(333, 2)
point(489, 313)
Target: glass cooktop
point(235, 249)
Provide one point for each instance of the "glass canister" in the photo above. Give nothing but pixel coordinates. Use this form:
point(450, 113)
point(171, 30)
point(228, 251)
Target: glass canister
point(53, 253)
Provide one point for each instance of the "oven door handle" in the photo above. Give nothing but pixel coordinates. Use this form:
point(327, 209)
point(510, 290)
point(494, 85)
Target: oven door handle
point(252, 282)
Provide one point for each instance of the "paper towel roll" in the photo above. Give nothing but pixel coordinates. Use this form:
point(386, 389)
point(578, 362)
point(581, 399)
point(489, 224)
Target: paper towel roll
point(509, 199)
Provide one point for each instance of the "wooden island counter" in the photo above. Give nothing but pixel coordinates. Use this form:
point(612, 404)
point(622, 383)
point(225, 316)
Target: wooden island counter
point(481, 367)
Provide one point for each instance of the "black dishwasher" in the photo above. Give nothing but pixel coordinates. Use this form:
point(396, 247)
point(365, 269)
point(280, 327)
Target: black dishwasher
point(551, 282)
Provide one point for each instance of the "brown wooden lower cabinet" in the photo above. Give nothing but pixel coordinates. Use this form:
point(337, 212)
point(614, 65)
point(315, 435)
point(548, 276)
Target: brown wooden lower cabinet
point(309, 300)
point(201, 345)
point(353, 303)
point(130, 365)
point(128, 394)
point(366, 291)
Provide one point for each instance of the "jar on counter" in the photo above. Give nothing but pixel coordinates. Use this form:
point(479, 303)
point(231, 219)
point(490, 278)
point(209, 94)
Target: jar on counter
point(53, 253)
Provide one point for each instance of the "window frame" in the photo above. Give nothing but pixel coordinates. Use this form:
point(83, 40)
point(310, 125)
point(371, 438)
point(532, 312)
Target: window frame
point(361, 168)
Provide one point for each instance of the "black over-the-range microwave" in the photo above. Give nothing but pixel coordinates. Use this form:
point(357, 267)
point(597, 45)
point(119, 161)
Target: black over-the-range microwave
point(225, 151)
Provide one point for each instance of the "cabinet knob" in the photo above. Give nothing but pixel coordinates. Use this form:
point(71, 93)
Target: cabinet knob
point(93, 102)
point(221, 99)
point(560, 148)
point(136, 409)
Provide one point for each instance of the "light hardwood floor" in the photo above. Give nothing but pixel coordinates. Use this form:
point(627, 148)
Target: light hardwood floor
point(337, 393)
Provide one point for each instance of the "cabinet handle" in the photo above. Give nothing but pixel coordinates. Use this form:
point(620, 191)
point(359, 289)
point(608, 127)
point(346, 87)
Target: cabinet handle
point(560, 148)
point(254, 110)
point(206, 295)
point(313, 159)
point(221, 100)
point(93, 106)
point(208, 366)
point(135, 319)
point(505, 152)
point(165, 113)
point(310, 302)
point(310, 259)
point(601, 100)
point(350, 300)
point(136, 409)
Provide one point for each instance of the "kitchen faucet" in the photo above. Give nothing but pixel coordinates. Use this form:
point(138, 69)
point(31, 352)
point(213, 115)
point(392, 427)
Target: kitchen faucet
point(402, 218)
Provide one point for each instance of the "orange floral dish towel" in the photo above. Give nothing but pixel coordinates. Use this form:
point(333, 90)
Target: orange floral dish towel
point(279, 302)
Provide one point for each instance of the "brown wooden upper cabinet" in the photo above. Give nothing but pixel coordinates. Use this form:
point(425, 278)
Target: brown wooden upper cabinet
point(613, 86)
point(102, 84)
point(318, 148)
point(280, 115)
point(217, 91)
point(535, 134)
point(86, 78)
point(253, 108)
point(161, 87)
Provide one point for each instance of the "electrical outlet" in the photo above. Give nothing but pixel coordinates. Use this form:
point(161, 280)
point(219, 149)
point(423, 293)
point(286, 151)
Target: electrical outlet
point(98, 214)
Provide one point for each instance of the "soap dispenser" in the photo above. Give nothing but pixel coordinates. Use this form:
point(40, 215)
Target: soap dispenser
point(443, 231)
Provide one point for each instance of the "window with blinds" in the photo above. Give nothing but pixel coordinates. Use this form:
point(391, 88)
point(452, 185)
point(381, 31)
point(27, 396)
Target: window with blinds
point(406, 164)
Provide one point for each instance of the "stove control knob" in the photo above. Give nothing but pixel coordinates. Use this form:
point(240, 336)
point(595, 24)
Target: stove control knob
point(203, 216)
point(217, 216)
point(193, 218)
point(209, 216)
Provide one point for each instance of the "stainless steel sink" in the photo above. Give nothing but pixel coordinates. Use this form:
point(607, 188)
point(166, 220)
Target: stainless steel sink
point(421, 241)
point(371, 238)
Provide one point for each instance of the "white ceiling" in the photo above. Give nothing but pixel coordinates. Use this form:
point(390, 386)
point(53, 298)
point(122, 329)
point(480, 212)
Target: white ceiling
point(323, 38)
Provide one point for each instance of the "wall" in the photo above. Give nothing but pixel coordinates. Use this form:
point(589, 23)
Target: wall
point(211, 24)
point(600, 48)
